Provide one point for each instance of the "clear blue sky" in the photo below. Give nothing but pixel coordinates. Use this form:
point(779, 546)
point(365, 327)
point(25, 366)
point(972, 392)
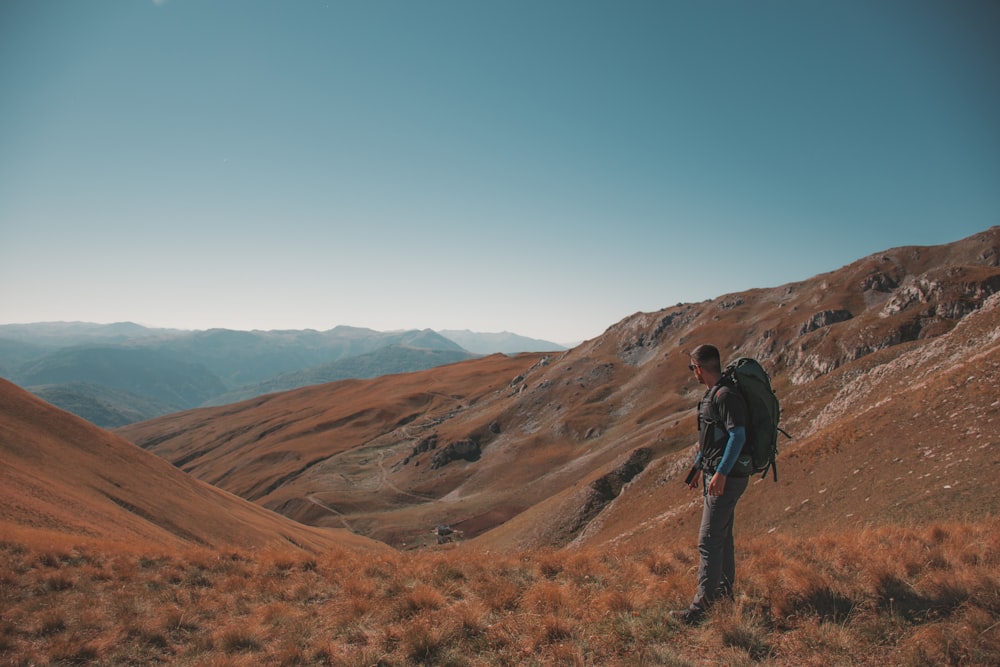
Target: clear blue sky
point(542, 167)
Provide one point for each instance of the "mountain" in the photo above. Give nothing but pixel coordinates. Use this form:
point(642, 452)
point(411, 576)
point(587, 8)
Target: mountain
point(383, 361)
point(127, 372)
point(101, 405)
point(62, 475)
point(887, 369)
point(504, 342)
point(16, 353)
point(71, 334)
point(241, 358)
point(163, 377)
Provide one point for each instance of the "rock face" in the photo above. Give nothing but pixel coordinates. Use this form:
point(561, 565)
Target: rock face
point(425, 445)
point(824, 318)
point(468, 450)
point(606, 488)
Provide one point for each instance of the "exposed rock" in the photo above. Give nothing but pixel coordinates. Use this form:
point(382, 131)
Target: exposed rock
point(638, 344)
point(913, 291)
point(878, 282)
point(824, 318)
point(607, 487)
point(990, 256)
point(468, 450)
point(427, 444)
point(731, 302)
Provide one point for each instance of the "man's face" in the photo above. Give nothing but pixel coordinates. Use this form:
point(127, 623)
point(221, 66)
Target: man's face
point(696, 369)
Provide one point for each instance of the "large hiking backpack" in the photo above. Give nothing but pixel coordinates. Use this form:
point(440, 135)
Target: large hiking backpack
point(763, 413)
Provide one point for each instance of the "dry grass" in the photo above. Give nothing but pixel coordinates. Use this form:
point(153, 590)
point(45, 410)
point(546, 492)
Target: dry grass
point(887, 596)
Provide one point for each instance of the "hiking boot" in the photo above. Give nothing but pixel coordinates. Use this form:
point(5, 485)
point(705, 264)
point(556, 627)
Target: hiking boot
point(689, 616)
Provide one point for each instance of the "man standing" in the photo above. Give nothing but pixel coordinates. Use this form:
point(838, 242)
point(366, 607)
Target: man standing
point(723, 472)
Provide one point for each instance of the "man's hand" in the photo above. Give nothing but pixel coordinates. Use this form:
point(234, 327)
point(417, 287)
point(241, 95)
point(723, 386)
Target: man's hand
point(717, 484)
point(694, 479)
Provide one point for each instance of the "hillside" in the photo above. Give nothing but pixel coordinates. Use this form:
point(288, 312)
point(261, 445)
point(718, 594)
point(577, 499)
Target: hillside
point(61, 475)
point(100, 405)
point(165, 378)
point(536, 450)
point(384, 361)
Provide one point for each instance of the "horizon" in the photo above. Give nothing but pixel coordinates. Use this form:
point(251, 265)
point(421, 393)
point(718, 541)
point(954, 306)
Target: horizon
point(337, 326)
point(547, 169)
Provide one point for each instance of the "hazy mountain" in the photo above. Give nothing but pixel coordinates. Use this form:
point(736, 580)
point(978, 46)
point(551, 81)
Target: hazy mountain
point(162, 377)
point(245, 357)
point(887, 369)
point(16, 353)
point(505, 342)
point(137, 373)
point(101, 405)
point(383, 361)
point(70, 334)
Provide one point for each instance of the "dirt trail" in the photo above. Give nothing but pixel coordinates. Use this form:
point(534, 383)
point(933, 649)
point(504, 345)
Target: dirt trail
point(340, 515)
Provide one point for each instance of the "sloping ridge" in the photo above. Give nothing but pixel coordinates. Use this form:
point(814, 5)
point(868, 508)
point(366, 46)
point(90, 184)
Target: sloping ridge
point(548, 442)
point(908, 435)
point(60, 474)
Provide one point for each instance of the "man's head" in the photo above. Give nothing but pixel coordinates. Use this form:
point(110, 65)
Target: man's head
point(706, 363)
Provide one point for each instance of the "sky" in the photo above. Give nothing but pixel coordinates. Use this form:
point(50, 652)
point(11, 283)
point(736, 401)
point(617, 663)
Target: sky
point(543, 167)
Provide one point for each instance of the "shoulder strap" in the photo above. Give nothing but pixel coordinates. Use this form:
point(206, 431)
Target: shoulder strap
point(712, 393)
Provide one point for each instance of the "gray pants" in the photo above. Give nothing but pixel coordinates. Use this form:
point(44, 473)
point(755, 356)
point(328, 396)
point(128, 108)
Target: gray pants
point(717, 572)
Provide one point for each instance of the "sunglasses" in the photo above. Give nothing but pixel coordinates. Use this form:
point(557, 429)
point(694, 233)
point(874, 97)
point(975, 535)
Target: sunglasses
point(691, 367)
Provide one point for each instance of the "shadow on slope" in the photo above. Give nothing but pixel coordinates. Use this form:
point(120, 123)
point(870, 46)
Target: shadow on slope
point(63, 475)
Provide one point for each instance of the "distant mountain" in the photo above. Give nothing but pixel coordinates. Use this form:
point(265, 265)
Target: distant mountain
point(15, 353)
point(162, 377)
point(385, 361)
point(113, 374)
point(69, 334)
point(246, 357)
point(503, 342)
point(101, 405)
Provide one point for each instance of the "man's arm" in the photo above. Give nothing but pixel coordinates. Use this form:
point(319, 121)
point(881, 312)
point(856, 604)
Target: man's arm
point(737, 436)
point(734, 447)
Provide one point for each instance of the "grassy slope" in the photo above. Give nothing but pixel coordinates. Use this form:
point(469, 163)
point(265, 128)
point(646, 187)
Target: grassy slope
point(886, 596)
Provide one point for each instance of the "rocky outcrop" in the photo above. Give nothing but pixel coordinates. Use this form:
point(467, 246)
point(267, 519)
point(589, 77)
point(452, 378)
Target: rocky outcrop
point(639, 339)
point(606, 488)
point(467, 450)
point(824, 318)
point(425, 445)
point(878, 282)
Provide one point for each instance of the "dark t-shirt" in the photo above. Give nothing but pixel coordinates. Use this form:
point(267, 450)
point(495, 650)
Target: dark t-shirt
point(721, 410)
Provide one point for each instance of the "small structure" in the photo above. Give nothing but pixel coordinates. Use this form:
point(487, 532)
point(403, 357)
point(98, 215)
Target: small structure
point(445, 533)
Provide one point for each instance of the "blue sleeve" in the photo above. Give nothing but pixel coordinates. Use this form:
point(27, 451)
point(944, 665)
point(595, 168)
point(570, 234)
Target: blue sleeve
point(733, 449)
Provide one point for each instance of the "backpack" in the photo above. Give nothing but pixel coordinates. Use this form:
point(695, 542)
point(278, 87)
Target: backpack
point(763, 413)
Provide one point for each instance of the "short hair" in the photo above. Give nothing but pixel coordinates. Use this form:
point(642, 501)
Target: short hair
point(708, 357)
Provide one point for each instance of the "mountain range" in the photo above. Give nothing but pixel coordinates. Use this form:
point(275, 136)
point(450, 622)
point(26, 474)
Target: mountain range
point(122, 373)
point(296, 527)
point(887, 370)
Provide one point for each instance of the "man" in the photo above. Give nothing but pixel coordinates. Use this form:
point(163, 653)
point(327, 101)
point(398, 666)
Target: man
point(724, 474)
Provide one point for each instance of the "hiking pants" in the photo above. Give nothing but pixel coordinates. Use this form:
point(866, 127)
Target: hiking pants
point(717, 571)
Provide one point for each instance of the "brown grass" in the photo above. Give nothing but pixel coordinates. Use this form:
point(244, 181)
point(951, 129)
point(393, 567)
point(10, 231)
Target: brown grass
point(887, 596)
